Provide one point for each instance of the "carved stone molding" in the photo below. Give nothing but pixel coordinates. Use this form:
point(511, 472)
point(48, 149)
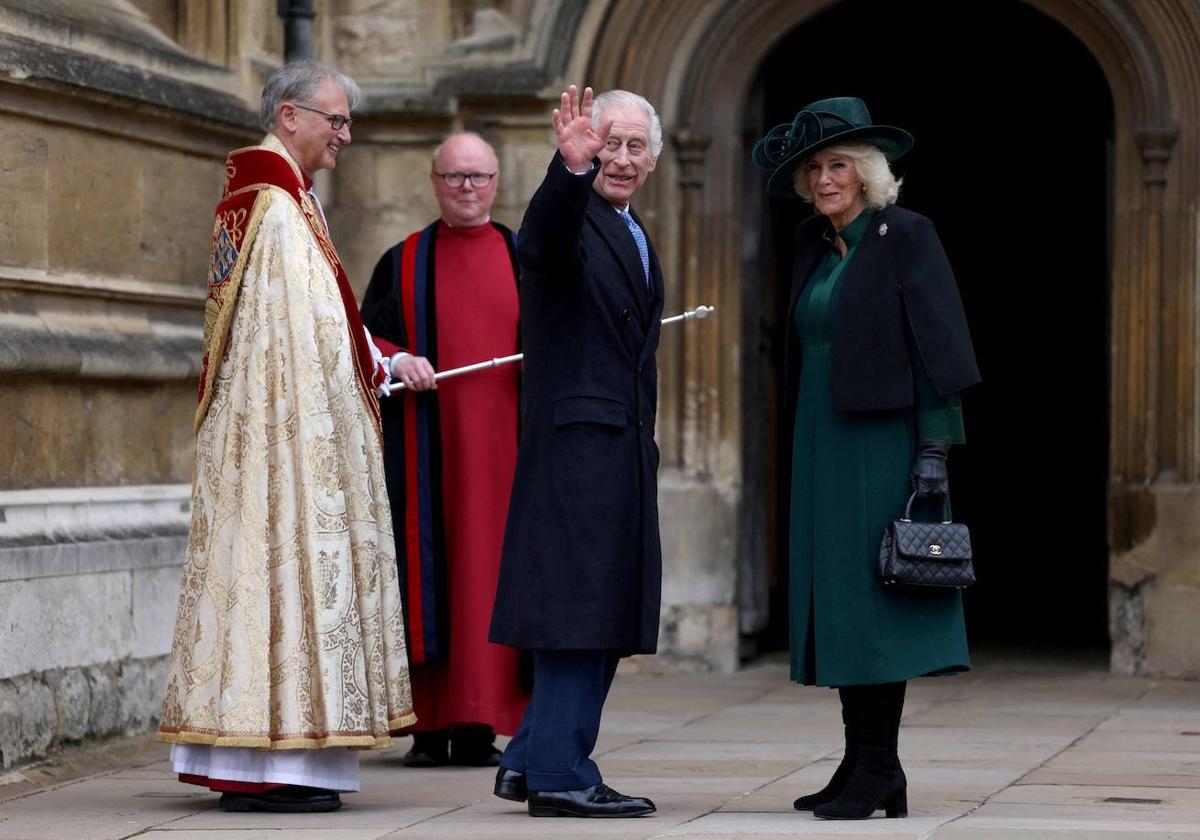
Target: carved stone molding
point(41, 81)
point(56, 515)
point(127, 289)
point(1156, 144)
point(487, 63)
point(691, 147)
point(93, 77)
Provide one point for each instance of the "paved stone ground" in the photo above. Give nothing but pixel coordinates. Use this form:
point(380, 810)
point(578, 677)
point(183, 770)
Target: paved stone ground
point(1029, 747)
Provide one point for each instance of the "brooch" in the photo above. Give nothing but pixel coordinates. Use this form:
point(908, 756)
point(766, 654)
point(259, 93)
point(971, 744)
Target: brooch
point(883, 229)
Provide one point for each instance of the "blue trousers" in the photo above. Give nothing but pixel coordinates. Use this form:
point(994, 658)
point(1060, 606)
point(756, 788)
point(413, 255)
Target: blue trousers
point(553, 745)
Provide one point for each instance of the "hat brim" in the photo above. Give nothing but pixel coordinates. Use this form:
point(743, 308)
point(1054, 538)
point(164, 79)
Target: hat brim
point(893, 142)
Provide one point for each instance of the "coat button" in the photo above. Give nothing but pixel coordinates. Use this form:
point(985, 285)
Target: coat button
point(641, 424)
point(625, 314)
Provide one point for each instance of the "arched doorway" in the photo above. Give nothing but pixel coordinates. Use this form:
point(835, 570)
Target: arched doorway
point(1013, 164)
point(699, 60)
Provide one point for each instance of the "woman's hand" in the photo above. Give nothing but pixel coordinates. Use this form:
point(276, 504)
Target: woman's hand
point(578, 142)
point(929, 476)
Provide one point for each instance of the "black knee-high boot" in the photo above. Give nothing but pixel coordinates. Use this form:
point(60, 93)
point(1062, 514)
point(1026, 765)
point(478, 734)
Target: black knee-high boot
point(876, 780)
point(896, 704)
point(830, 791)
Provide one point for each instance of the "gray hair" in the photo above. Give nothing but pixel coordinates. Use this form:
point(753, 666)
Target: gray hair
point(297, 81)
point(873, 170)
point(625, 99)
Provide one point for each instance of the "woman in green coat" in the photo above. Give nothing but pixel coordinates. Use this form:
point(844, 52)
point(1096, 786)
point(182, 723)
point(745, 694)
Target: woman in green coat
point(878, 351)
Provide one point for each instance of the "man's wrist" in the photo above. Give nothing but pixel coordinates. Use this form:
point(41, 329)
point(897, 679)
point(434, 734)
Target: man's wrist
point(580, 169)
point(403, 354)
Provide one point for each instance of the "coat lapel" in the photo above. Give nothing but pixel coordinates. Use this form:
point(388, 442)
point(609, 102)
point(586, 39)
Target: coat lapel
point(654, 296)
point(618, 238)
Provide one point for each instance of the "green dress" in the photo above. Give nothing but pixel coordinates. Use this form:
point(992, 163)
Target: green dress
point(850, 477)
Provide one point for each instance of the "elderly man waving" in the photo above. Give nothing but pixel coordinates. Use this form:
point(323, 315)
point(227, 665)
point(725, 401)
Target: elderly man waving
point(581, 572)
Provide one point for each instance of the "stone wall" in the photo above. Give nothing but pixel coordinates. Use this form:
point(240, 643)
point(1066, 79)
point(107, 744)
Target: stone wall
point(112, 137)
point(89, 580)
point(1154, 589)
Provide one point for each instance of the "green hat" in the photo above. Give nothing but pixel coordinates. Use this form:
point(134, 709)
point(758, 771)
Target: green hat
point(824, 123)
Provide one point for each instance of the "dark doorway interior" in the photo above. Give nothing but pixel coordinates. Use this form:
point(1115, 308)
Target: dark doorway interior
point(1013, 121)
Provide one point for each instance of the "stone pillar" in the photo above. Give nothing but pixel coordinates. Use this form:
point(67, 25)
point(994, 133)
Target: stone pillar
point(1156, 145)
point(699, 419)
point(204, 30)
point(1156, 439)
point(1147, 508)
point(698, 513)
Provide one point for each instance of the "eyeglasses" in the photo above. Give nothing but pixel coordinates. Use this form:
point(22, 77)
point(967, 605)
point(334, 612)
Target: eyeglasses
point(455, 180)
point(336, 121)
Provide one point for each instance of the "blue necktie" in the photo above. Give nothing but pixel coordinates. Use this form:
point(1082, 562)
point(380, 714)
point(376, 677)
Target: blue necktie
point(640, 238)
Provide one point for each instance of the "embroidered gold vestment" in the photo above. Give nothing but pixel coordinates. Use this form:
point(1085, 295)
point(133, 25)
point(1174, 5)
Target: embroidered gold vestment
point(289, 632)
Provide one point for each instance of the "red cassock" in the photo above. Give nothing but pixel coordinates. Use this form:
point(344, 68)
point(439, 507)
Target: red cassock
point(451, 294)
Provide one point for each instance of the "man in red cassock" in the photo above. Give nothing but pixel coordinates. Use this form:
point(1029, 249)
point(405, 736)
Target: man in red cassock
point(444, 297)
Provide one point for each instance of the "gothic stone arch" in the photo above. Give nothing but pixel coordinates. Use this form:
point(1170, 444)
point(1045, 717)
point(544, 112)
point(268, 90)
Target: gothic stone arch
point(696, 60)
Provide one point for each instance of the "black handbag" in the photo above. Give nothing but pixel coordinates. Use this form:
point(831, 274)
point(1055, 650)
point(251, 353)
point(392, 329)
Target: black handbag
point(936, 554)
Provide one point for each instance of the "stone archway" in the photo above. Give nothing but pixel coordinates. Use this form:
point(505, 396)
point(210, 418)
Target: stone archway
point(699, 70)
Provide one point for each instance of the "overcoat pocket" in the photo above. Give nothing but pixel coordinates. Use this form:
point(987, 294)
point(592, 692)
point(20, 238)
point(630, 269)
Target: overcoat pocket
point(589, 409)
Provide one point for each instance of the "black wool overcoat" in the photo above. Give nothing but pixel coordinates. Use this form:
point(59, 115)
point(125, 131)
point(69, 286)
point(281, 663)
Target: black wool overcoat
point(582, 563)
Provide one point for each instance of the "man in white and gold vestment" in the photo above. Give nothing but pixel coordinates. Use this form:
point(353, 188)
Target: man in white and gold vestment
point(289, 651)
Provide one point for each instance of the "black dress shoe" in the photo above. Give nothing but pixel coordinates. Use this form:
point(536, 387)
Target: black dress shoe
point(510, 785)
point(419, 758)
point(597, 801)
point(429, 749)
point(287, 799)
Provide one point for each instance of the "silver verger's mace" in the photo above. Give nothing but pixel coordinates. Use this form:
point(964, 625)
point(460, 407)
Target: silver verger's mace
point(699, 313)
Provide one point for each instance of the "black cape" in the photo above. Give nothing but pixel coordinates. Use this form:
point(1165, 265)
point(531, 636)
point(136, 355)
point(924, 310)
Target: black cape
point(898, 289)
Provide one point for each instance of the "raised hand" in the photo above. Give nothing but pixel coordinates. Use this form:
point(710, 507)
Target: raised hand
point(578, 142)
